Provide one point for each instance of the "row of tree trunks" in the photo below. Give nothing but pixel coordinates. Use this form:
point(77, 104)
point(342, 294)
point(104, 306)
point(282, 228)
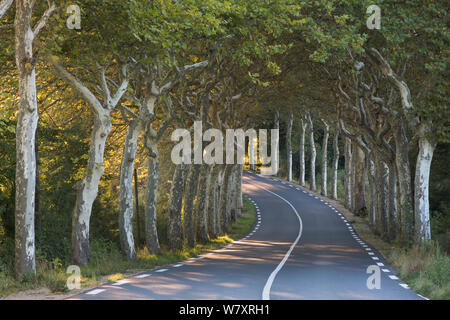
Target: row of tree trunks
point(218, 202)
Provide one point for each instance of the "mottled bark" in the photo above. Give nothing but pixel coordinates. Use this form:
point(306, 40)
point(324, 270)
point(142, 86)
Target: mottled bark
point(211, 208)
point(174, 231)
point(151, 231)
point(87, 188)
point(290, 122)
point(303, 126)
point(37, 194)
point(27, 119)
point(405, 210)
point(392, 216)
point(421, 191)
point(224, 204)
point(359, 190)
point(372, 190)
point(126, 191)
point(240, 203)
point(334, 173)
point(201, 205)
point(217, 195)
point(326, 129)
point(275, 160)
point(348, 173)
point(313, 154)
point(188, 203)
point(25, 142)
point(382, 183)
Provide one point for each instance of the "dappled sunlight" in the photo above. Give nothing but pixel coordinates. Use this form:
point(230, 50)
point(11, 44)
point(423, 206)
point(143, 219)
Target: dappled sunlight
point(286, 295)
point(354, 295)
point(230, 284)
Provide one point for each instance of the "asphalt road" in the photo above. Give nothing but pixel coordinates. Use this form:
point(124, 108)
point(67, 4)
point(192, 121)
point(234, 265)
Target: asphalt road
point(300, 248)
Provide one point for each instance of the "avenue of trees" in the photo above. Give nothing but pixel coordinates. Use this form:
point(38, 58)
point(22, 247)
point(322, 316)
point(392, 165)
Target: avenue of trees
point(87, 116)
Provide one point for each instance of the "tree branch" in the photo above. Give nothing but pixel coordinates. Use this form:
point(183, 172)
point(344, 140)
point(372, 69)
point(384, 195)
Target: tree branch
point(76, 84)
point(4, 6)
point(43, 21)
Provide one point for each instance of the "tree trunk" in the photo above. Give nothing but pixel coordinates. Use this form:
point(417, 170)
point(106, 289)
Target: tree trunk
point(289, 146)
point(25, 142)
point(313, 154)
point(87, 190)
point(240, 203)
point(405, 209)
point(274, 155)
point(324, 157)
point(382, 184)
point(213, 202)
point(126, 191)
point(188, 203)
point(348, 173)
point(201, 205)
point(37, 195)
point(303, 126)
point(136, 200)
point(359, 199)
point(372, 190)
point(229, 202)
point(392, 217)
point(334, 174)
point(151, 231)
point(224, 205)
point(421, 181)
point(174, 232)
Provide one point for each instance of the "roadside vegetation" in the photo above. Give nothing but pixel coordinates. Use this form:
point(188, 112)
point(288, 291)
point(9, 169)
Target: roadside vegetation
point(108, 265)
point(425, 269)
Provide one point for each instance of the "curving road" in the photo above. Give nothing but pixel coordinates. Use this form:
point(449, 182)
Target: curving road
point(300, 248)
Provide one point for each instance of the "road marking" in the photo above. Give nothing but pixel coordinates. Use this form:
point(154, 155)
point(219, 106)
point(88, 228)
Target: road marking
point(96, 291)
point(386, 270)
point(178, 265)
point(423, 297)
point(120, 282)
point(371, 253)
point(393, 277)
point(161, 270)
point(404, 285)
point(375, 258)
point(142, 276)
point(268, 285)
point(380, 264)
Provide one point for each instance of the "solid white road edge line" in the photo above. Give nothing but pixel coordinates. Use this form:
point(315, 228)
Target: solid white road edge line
point(266, 290)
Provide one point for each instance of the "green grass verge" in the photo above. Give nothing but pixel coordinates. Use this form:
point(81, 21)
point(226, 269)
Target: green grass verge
point(107, 263)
